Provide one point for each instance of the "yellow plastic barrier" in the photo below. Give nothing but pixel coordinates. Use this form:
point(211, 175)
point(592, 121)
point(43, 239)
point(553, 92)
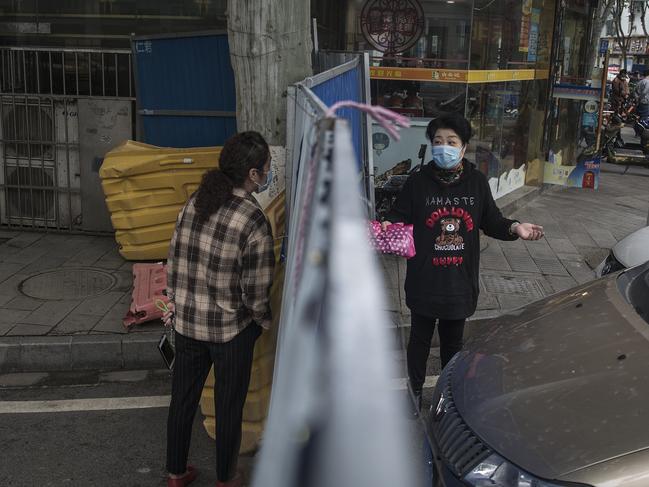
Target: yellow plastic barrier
point(258, 400)
point(145, 188)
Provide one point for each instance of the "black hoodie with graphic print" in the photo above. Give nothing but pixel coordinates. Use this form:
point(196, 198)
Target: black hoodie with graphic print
point(442, 278)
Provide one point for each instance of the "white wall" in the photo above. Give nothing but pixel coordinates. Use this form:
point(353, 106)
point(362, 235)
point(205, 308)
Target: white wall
point(637, 24)
point(637, 31)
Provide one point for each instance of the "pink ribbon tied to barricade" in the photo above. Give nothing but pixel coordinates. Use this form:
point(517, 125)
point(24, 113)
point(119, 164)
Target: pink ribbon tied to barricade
point(391, 121)
point(396, 239)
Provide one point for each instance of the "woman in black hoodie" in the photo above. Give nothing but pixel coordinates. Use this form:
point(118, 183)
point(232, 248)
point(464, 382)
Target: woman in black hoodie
point(448, 201)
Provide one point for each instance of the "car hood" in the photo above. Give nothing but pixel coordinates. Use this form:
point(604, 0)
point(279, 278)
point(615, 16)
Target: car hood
point(561, 385)
point(633, 249)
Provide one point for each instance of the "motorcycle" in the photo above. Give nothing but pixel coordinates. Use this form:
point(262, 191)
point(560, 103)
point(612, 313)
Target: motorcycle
point(631, 153)
point(641, 129)
point(613, 148)
point(626, 110)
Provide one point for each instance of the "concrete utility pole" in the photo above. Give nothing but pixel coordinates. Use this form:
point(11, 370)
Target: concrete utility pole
point(270, 48)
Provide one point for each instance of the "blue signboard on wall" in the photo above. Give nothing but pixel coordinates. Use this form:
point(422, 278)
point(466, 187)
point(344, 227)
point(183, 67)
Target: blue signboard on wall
point(603, 46)
point(532, 53)
point(185, 90)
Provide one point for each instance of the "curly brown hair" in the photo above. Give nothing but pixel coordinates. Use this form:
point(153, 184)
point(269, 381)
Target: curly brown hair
point(241, 153)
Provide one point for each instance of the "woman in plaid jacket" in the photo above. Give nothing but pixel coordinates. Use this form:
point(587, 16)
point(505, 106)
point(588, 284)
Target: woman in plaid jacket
point(220, 270)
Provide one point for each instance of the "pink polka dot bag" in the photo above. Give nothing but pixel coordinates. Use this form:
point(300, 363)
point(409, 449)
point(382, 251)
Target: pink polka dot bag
point(397, 239)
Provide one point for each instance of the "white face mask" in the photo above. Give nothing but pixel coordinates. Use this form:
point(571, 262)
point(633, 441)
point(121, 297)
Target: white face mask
point(263, 187)
point(446, 156)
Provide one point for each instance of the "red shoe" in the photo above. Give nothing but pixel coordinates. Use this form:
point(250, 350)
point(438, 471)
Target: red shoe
point(186, 479)
point(235, 482)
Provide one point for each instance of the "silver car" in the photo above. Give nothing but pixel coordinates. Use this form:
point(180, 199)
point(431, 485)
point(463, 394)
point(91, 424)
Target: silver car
point(554, 394)
point(631, 251)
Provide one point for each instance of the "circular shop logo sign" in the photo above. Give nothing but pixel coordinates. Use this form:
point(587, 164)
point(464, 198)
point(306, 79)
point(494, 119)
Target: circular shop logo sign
point(590, 106)
point(392, 26)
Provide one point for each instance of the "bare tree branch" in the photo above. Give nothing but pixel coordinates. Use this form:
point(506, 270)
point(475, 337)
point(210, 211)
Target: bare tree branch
point(623, 39)
point(643, 13)
point(602, 13)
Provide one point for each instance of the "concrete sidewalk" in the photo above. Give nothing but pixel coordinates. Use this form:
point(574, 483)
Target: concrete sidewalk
point(63, 297)
point(62, 300)
point(580, 228)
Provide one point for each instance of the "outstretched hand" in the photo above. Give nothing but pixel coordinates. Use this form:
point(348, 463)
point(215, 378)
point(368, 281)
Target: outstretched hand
point(529, 231)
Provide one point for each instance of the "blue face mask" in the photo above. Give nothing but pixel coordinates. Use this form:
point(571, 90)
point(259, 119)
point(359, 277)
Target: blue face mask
point(269, 177)
point(446, 156)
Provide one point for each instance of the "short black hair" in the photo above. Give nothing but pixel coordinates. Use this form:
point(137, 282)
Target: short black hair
point(622, 71)
point(452, 121)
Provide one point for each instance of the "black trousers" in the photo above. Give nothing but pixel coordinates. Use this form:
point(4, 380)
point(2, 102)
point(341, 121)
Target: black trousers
point(421, 336)
point(232, 365)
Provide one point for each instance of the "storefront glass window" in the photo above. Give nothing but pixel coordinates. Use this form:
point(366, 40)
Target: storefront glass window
point(497, 40)
point(500, 115)
point(510, 34)
point(480, 42)
point(103, 23)
point(447, 34)
point(572, 130)
point(573, 46)
point(444, 45)
point(445, 40)
point(420, 99)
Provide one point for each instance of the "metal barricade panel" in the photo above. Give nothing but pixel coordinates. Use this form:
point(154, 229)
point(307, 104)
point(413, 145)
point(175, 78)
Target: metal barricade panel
point(41, 171)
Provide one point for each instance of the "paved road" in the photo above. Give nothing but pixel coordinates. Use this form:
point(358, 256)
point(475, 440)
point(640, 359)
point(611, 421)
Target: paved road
point(81, 447)
point(92, 429)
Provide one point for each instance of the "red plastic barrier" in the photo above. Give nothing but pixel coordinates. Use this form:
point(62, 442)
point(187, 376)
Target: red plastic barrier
point(149, 284)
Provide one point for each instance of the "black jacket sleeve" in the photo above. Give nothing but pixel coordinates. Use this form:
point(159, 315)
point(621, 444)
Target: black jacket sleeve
point(402, 209)
point(494, 224)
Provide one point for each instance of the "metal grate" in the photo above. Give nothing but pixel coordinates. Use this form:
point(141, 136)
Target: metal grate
point(511, 285)
point(40, 89)
point(458, 445)
point(37, 202)
point(66, 72)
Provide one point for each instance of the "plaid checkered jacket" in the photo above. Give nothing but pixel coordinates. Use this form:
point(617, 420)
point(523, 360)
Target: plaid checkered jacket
point(219, 272)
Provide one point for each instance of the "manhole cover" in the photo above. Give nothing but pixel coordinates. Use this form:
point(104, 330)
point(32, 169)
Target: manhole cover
point(511, 285)
point(68, 284)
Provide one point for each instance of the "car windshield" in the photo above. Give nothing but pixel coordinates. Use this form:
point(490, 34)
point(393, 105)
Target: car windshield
point(634, 286)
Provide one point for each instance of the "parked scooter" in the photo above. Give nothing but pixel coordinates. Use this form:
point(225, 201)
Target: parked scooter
point(641, 128)
point(631, 153)
point(611, 135)
point(627, 110)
